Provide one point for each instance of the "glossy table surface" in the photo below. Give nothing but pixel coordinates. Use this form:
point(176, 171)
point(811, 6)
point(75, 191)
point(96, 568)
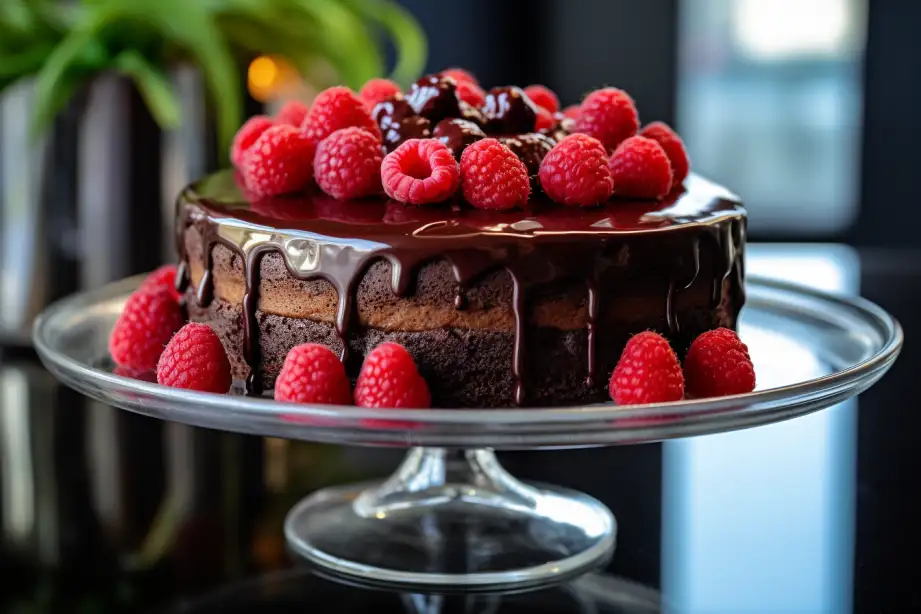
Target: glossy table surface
point(103, 511)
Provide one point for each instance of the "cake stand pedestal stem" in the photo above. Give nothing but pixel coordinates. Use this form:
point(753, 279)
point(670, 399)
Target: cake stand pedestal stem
point(452, 518)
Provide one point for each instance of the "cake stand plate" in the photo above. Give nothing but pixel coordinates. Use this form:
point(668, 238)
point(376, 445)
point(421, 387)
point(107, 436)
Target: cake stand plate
point(451, 516)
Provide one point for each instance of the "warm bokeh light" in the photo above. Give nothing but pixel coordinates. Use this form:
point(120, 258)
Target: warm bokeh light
point(262, 77)
point(272, 79)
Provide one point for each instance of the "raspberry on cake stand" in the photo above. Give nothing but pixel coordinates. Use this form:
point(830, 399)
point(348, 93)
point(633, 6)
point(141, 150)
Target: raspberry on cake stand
point(451, 516)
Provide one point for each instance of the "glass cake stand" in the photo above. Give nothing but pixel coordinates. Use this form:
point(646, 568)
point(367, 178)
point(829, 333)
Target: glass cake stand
point(451, 516)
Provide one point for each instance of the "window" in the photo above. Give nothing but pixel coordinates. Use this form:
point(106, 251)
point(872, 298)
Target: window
point(769, 103)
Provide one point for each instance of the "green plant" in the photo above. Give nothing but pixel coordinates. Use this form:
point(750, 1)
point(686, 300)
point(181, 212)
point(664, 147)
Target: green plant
point(66, 44)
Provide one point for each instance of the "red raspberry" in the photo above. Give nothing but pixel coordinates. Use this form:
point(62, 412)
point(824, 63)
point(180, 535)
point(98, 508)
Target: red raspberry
point(673, 146)
point(420, 171)
point(279, 162)
point(572, 111)
point(640, 169)
point(335, 108)
point(609, 115)
point(459, 75)
point(147, 321)
point(471, 93)
point(312, 373)
point(246, 136)
point(378, 90)
point(195, 359)
point(718, 364)
point(292, 113)
point(543, 96)
point(575, 172)
point(162, 278)
point(492, 176)
point(389, 378)
point(348, 164)
point(647, 372)
point(545, 120)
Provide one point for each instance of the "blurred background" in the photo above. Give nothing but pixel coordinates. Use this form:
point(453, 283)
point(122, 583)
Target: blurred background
point(806, 108)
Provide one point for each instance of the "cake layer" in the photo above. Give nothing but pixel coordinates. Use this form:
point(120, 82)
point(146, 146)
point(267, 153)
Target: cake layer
point(463, 368)
point(430, 300)
point(530, 306)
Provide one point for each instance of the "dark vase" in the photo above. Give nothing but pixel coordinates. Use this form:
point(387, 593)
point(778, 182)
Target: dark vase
point(88, 491)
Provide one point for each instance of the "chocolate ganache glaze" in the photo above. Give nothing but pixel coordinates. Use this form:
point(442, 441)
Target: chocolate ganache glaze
point(546, 284)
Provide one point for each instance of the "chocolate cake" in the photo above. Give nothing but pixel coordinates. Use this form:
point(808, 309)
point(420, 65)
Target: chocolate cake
point(529, 307)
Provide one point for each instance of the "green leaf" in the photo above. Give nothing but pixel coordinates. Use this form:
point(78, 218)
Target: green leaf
point(17, 15)
point(77, 56)
point(189, 27)
point(408, 37)
point(252, 36)
point(53, 100)
point(17, 65)
point(155, 87)
point(345, 40)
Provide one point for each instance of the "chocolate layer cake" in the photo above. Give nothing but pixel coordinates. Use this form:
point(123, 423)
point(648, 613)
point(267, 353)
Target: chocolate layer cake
point(528, 307)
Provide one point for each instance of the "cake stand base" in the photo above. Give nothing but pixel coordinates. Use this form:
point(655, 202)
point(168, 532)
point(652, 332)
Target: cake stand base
point(452, 518)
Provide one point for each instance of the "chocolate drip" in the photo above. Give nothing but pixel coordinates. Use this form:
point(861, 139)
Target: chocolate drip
point(250, 325)
point(591, 321)
point(726, 255)
point(534, 246)
point(675, 287)
point(182, 277)
point(343, 317)
point(518, 348)
point(182, 284)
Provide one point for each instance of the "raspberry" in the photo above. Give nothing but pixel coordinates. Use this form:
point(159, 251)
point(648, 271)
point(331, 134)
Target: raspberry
point(459, 75)
point(673, 146)
point(420, 171)
point(312, 373)
point(543, 96)
point(162, 278)
point(609, 115)
point(640, 169)
point(378, 90)
point(471, 93)
point(335, 108)
point(292, 113)
point(147, 321)
point(545, 120)
point(572, 111)
point(492, 176)
point(389, 378)
point(195, 359)
point(246, 136)
point(647, 372)
point(575, 172)
point(718, 364)
point(279, 162)
point(348, 164)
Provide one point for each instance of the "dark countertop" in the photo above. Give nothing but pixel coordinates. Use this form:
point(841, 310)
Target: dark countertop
point(103, 511)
